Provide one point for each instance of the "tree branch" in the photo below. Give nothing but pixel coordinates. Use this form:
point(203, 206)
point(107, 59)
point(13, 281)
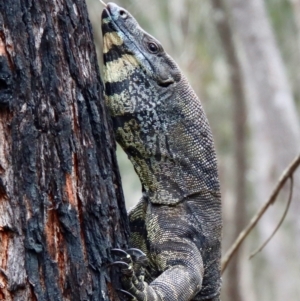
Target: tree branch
point(280, 222)
point(284, 177)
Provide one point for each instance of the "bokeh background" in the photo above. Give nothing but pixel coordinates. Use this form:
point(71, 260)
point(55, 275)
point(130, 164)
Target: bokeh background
point(242, 57)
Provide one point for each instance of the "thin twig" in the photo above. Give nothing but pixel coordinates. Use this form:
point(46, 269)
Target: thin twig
point(284, 177)
point(280, 222)
point(103, 3)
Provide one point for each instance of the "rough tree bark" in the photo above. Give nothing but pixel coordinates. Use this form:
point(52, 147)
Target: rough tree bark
point(61, 203)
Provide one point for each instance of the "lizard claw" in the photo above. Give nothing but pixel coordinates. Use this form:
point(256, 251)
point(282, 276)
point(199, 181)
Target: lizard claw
point(126, 269)
point(127, 295)
point(135, 252)
point(119, 252)
point(123, 255)
point(138, 256)
point(121, 264)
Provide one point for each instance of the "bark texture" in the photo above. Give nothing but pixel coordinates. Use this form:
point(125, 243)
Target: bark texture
point(61, 203)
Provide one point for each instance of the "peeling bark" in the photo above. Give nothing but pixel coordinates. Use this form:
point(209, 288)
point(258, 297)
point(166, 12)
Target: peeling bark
point(61, 202)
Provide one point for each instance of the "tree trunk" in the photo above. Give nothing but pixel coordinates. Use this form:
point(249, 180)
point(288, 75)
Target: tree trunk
point(61, 202)
point(233, 279)
point(276, 133)
point(296, 10)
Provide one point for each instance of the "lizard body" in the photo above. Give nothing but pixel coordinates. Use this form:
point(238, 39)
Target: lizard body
point(159, 122)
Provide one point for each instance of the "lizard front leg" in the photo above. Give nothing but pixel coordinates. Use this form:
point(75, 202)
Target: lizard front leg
point(181, 280)
point(171, 255)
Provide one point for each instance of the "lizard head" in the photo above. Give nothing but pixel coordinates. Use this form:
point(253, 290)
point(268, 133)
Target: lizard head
point(132, 57)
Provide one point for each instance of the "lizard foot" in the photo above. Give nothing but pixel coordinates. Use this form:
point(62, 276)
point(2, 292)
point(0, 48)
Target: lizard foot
point(132, 267)
point(135, 259)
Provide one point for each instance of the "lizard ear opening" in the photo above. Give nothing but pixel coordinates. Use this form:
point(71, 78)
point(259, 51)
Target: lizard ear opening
point(164, 77)
point(166, 73)
point(166, 83)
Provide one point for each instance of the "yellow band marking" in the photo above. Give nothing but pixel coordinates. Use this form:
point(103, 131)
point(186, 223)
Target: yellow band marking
point(119, 70)
point(110, 39)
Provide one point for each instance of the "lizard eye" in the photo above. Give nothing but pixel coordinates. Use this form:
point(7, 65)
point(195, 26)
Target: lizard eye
point(153, 48)
point(123, 14)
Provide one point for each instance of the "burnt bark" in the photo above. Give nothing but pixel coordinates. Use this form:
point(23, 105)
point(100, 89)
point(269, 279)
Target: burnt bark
point(61, 202)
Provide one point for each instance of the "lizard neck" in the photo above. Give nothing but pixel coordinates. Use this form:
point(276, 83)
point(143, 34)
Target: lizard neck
point(170, 145)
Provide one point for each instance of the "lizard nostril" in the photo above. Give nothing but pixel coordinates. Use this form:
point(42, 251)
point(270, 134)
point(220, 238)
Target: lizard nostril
point(123, 14)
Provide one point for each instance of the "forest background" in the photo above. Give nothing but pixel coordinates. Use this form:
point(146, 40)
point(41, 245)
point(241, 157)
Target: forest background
point(242, 58)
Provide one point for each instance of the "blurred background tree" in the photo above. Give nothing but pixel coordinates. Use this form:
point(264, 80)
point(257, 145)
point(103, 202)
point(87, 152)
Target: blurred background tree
point(242, 58)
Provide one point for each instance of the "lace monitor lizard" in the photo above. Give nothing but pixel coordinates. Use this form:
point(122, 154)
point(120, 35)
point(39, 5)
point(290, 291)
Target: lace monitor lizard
point(159, 122)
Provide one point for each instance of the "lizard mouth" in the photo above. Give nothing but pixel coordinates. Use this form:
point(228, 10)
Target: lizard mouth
point(105, 14)
point(108, 22)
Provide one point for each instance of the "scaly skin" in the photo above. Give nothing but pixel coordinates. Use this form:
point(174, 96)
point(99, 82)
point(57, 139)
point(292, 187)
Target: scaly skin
point(159, 122)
